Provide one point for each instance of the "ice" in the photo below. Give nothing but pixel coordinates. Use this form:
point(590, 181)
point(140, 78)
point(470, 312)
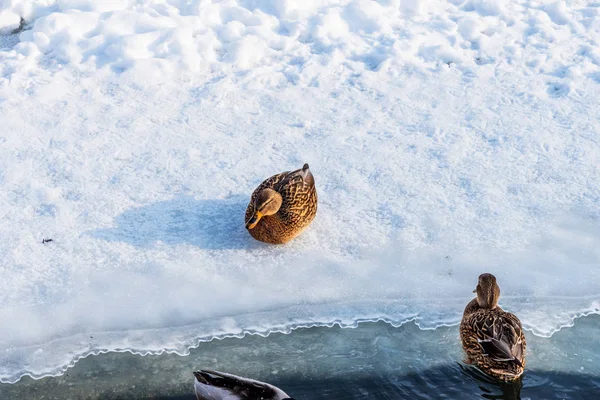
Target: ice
point(373, 361)
point(447, 139)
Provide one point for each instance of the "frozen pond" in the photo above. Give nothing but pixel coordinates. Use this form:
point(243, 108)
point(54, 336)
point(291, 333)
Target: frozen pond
point(373, 361)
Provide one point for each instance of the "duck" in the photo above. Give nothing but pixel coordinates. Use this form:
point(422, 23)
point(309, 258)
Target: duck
point(214, 385)
point(282, 206)
point(492, 338)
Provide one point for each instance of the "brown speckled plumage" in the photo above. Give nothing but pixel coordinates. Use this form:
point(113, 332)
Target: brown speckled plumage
point(298, 206)
point(492, 338)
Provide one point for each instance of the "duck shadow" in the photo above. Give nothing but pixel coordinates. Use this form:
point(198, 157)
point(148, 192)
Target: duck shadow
point(208, 224)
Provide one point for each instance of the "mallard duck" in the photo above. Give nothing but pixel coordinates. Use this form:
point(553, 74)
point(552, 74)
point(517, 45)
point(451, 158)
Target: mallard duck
point(282, 206)
point(492, 338)
point(213, 385)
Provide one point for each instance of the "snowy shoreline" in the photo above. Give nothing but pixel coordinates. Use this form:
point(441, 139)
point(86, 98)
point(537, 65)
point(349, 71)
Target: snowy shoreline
point(184, 339)
point(447, 138)
point(375, 357)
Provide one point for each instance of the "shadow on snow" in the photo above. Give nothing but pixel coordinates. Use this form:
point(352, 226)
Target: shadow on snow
point(208, 224)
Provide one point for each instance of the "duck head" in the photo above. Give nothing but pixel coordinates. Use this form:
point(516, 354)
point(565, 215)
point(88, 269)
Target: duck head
point(488, 291)
point(268, 202)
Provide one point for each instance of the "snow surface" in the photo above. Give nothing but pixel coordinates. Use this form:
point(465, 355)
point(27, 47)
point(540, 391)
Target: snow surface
point(447, 139)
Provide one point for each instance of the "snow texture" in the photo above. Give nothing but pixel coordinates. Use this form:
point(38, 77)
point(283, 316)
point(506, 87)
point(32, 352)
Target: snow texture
point(447, 139)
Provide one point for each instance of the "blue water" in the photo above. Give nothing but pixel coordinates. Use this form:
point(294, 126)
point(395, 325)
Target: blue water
point(373, 361)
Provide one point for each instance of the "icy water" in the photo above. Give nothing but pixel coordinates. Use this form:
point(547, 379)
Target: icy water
point(373, 361)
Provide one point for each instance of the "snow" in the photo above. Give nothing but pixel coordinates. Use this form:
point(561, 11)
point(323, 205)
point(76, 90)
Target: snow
point(9, 21)
point(447, 139)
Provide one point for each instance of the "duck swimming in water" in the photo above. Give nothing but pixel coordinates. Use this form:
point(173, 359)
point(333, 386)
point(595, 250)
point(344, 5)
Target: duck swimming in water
point(492, 338)
point(282, 206)
point(213, 385)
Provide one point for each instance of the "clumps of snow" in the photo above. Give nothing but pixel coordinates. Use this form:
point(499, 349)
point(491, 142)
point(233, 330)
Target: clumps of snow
point(207, 36)
point(557, 11)
point(331, 26)
point(30, 10)
point(487, 7)
point(9, 22)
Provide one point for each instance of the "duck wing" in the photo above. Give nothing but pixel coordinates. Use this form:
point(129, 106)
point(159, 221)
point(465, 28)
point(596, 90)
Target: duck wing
point(501, 337)
point(300, 177)
point(298, 192)
point(213, 385)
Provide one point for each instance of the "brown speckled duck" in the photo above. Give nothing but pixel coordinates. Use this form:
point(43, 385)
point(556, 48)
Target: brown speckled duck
point(282, 206)
point(492, 338)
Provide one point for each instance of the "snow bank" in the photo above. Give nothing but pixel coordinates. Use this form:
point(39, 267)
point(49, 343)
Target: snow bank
point(207, 37)
point(447, 138)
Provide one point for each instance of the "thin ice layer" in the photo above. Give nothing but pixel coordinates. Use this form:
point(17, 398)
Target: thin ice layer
point(446, 138)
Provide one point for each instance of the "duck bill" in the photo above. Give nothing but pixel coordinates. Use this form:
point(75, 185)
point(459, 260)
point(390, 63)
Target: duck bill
point(253, 220)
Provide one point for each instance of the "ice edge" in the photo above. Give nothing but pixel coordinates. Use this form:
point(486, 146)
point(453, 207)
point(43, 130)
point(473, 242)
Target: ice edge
point(286, 330)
